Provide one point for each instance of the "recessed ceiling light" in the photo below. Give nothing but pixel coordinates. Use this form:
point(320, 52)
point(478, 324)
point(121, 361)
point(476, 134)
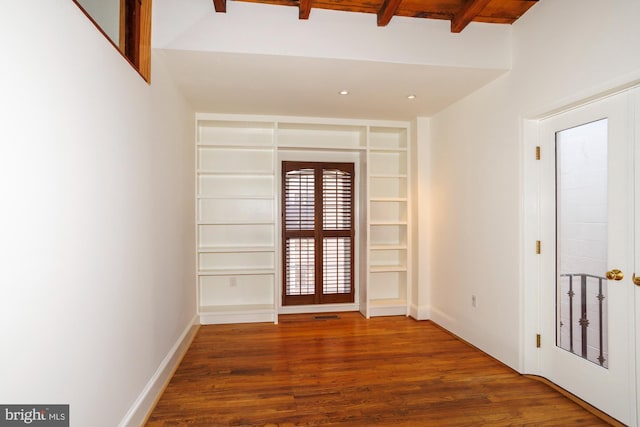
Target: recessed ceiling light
point(411, 97)
point(344, 92)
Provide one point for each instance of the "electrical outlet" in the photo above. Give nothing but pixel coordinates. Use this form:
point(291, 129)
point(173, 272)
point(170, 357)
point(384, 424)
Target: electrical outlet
point(474, 301)
point(233, 282)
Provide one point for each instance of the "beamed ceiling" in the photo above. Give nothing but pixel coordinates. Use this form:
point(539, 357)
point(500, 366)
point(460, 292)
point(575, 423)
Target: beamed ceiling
point(459, 12)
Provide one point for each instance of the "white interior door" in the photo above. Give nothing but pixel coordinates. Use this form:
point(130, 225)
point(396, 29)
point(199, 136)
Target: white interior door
point(587, 295)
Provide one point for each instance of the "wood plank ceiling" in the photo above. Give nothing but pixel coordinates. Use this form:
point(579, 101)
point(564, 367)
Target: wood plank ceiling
point(459, 12)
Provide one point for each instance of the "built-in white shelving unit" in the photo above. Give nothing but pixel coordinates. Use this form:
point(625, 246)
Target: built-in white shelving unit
point(388, 224)
point(236, 221)
point(237, 198)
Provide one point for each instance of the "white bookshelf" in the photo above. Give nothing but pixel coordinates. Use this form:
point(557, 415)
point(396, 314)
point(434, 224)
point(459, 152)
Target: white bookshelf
point(236, 223)
point(237, 197)
point(388, 221)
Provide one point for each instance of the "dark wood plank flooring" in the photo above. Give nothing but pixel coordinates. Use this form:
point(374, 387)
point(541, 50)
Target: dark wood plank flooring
point(350, 371)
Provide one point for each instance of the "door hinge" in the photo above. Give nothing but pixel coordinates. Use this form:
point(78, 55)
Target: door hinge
point(537, 340)
point(538, 247)
point(538, 152)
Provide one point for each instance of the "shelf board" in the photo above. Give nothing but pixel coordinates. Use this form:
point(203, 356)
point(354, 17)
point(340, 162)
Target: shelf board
point(236, 197)
point(388, 302)
point(223, 249)
point(388, 223)
point(388, 149)
point(319, 148)
point(387, 247)
point(237, 222)
point(387, 268)
point(388, 175)
point(236, 272)
point(388, 199)
point(232, 173)
point(247, 308)
point(239, 146)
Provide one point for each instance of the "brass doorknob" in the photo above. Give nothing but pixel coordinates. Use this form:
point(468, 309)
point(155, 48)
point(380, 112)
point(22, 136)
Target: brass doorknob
point(615, 274)
point(636, 279)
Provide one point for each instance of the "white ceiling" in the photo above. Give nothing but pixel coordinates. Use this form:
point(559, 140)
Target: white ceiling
point(293, 86)
point(260, 59)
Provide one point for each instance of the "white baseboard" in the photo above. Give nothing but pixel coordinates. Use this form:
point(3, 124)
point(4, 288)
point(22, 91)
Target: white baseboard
point(443, 320)
point(387, 310)
point(419, 313)
point(146, 401)
point(212, 318)
point(318, 308)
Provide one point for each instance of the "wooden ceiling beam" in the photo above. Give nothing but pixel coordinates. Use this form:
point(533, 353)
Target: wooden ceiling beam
point(386, 12)
point(304, 9)
point(469, 11)
point(220, 6)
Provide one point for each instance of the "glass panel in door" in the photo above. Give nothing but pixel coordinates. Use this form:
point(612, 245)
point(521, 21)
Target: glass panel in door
point(582, 241)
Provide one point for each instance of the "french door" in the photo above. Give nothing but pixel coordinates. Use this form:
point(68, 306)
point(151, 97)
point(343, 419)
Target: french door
point(318, 233)
point(587, 226)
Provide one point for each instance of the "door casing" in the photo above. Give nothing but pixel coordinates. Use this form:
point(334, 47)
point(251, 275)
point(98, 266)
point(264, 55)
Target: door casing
point(357, 158)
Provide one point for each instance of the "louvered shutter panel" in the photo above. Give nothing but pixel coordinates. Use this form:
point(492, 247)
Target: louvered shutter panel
point(299, 200)
point(299, 189)
point(337, 216)
point(300, 269)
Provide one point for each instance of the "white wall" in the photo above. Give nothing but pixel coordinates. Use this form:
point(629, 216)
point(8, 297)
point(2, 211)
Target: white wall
point(420, 202)
point(563, 51)
point(97, 223)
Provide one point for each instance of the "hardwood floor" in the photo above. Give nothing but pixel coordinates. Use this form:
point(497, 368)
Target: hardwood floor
point(349, 371)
